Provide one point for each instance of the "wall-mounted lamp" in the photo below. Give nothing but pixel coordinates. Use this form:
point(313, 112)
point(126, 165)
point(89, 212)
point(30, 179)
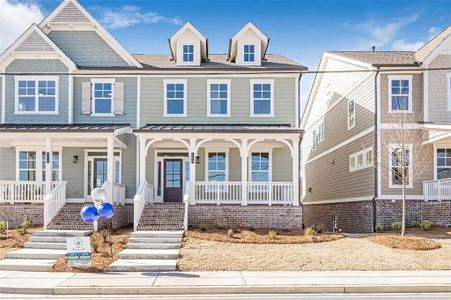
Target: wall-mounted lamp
point(75, 159)
point(197, 160)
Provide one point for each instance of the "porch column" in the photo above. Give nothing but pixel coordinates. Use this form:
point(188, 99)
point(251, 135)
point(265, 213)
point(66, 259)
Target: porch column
point(244, 175)
point(295, 179)
point(48, 165)
point(192, 170)
point(110, 168)
point(142, 161)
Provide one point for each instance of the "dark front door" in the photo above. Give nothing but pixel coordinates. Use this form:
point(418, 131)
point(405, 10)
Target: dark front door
point(173, 174)
point(100, 171)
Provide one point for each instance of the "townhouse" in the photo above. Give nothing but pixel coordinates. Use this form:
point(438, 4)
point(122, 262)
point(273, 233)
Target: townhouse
point(219, 132)
point(349, 182)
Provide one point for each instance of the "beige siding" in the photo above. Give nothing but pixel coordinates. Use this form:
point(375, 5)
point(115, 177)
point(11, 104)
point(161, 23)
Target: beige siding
point(282, 165)
point(439, 111)
point(8, 163)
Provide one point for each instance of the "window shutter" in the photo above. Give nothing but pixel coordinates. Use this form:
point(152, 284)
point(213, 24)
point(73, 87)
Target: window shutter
point(86, 98)
point(119, 98)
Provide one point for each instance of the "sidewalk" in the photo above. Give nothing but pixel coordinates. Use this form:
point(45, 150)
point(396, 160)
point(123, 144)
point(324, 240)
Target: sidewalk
point(15, 282)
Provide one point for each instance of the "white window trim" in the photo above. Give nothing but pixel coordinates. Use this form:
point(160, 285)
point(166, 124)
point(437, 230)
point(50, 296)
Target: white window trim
point(353, 114)
point(448, 88)
point(39, 168)
point(216, 150)
point(249, 165)
point(255, 54)
point(400, 77)
point(185, 97)
point(93, 104)
point(390, 182)
point(365, 164)
point(229, 100)
point(194, 55)
point(251, 96)
point(36, 105)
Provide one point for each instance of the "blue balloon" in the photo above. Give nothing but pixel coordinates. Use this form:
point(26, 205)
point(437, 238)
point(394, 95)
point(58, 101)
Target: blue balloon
point(106, 210)
point(89, 213)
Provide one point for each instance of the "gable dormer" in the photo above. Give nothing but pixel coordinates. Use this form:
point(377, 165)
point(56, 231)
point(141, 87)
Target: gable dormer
point(188, 46)
point(248, 46)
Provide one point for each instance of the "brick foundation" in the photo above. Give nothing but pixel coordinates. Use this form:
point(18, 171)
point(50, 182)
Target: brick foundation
point(14, 213)
point(255, 216)
point(355, 217)
point(162, 216)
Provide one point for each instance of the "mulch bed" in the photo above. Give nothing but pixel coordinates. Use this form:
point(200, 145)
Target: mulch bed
point(434, 230)
point(261, 236)
point(405, 242)
point(101, 259)
point(15, 240)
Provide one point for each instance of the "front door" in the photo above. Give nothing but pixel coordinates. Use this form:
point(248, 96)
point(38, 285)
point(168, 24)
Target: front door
point(100, 172)
point(173, 178)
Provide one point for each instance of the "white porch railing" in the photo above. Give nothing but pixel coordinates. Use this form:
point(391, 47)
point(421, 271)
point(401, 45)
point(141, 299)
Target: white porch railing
point(186, 201)
point(23, 191)
point(264, 193)
point(144, 193)
point(115, 192)
point(53, 202)
point(437, 189)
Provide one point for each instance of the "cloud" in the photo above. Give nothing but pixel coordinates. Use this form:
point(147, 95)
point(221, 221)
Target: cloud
point(15, 18)
point(403, 45)
point(129, 15)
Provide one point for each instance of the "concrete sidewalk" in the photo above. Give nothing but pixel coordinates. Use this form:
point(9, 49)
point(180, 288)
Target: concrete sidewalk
point(224, 282)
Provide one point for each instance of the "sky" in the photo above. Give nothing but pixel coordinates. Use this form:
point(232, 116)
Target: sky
point(300, 30)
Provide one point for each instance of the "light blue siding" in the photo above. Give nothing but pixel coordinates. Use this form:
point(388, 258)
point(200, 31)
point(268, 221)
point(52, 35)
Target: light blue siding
point(86, 49)
point(130, 92)
point(8, 164)
point(36, 66)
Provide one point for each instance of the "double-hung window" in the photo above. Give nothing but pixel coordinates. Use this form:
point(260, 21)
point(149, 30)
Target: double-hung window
point(217, 166)
point(27, 166)
point(361, 160)
point(260, 167)
point(262, 98)
point(400, 93)
point(102, 97)
point(175, 98)
point(36, 95)
point(55, 165)
point(400, 166)
point(443, 162)
point(249, 53)
point(31, 165)
point(351, 114)
point(188, 53)
point(218, 98)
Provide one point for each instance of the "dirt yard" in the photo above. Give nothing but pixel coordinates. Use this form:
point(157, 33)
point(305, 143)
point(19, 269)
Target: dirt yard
point(15, 240)
point(348, 253)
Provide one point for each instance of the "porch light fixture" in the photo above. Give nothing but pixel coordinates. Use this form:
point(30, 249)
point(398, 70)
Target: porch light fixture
point(75, 159)
point(197, 159)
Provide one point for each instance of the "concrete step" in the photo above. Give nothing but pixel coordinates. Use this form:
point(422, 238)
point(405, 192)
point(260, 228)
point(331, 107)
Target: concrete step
point(63, 233)
point(153, 246)
point(154, 240)
point(29, 253)
point(28, 265)
point(140, 265)
point(159, 234)
point(47, 239)
point(43, 245)
point(149, 253)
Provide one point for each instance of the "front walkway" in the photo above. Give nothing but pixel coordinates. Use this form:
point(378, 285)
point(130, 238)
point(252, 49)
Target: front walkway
point(234, 282)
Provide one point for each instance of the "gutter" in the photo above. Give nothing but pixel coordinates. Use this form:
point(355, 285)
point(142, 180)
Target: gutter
point(266, 49)
point(170, 48)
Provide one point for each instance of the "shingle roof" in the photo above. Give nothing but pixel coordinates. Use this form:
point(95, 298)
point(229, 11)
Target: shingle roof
point(61, 127)
point(424, 51)
point(218, 61)
point(218, 128)
point(380, 57)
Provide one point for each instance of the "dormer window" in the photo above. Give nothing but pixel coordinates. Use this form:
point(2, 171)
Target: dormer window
point(188, 53)
point(249, 53)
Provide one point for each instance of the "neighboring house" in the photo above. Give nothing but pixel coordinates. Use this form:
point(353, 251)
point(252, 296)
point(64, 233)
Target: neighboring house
point(347, 117)
point(218, 130)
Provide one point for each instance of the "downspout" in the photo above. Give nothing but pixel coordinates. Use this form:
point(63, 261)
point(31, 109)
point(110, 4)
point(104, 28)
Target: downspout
point(376, 188)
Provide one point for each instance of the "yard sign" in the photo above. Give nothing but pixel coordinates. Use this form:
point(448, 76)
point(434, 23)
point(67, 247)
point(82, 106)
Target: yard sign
point(78, 251)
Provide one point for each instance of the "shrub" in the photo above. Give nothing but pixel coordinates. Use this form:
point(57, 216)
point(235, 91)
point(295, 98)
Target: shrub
point(94, 246)
point(425, 225)
point(319, 228)
point(415, 223)
point(230, 233)
point(272, 234)
point(21, 230)
point(2, 227)
point(105, 235)
point(203, 227)
point(26, 223)
point(396, 225)
point(309, 231)
point(379, 227)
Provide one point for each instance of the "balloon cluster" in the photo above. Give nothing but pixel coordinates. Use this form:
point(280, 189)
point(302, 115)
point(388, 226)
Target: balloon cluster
point(103, 210)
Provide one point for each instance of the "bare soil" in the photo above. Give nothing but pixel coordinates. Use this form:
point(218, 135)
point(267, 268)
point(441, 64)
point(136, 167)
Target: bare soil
point(13, 240)
point(405, 242)
point(101, 259)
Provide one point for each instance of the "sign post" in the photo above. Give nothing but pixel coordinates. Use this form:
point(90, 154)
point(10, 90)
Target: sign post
point(79, 251)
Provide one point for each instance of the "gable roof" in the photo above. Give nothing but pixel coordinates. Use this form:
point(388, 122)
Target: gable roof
point(380, 58)
point(35, 40)
point(429, 47)
point(249, 26)
point(183, 29)
point(70, 11)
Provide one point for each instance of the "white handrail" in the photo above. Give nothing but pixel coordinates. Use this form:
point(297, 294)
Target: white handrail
point(23, 191)
point(186, 201)
point(437, 189)
point(53, 202)
point(145, 192)
point(115, 192)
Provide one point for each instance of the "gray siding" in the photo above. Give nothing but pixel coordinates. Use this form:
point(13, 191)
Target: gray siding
point(70, 13)
point(34, 42)
point(38, 66)
point(86, 49)
point(130, 92)
point(282, 165)
point(8, 163)
point(439, 111)
point(152, 102)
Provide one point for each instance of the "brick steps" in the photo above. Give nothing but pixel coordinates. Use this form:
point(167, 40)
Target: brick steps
point(162, 216)
point(68, 218)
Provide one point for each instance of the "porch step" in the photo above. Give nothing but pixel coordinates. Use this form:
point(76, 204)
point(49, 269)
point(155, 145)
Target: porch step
point(162, 240)
point(153, 246)
point(149, 254)
point(29, 265)
point(63, 233)
point(142, 265)
point(29, 253)
point(162, 217)
point(160, 234)
point(35, 245)
point(47, 239)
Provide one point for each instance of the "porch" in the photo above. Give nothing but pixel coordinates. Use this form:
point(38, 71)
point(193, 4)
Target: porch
point(437, 189)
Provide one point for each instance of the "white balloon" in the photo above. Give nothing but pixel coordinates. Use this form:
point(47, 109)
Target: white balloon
point(98, 194)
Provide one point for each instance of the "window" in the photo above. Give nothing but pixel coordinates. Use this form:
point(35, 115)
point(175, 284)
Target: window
point(351, 114)
point(318, 134)
point(443, 163)
point(219, 98)
point(260, 167)
point(216, 166)
point(400, 166)
point(262, 98)
point(117, 171)
point(188, 53)
point(27, 165)
point(102, 97)
point(36, 95)
point(249, 53)
point(361, 160)
point(175, 98)
point(55, 165)
point(400, 93)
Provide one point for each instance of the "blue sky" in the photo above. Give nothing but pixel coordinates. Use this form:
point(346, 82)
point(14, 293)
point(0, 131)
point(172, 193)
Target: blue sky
point(300, 30)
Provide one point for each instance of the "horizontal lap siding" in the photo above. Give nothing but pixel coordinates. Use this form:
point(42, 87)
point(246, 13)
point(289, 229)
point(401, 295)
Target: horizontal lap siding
point(36, 66)
point(439, 110)
point(282, 165)
point(8, 163)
